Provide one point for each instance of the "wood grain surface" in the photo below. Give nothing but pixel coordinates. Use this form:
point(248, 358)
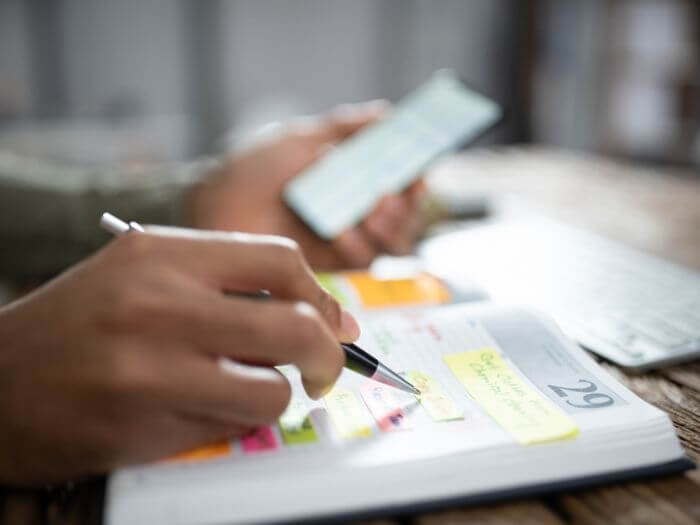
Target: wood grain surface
point(654, 209)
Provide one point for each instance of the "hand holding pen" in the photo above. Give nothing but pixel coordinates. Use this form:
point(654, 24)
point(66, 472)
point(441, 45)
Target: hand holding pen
point(118, 358)
point(356, 358)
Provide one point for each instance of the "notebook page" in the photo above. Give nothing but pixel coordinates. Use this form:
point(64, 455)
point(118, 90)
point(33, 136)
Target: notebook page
point(349, 428)
point(357, 429)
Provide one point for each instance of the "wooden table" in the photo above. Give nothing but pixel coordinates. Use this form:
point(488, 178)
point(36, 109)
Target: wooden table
point(657, 210)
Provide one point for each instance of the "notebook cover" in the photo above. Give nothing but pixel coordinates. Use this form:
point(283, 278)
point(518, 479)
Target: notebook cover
point(662, 469)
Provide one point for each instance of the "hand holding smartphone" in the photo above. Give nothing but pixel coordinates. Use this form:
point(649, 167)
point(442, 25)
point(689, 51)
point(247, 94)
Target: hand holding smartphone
point(344, 186)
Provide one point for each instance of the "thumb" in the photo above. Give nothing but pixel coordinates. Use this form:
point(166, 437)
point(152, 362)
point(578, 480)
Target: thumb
point(247, 263)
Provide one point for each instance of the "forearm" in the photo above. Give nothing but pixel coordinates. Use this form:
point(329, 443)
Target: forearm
point(49, 214)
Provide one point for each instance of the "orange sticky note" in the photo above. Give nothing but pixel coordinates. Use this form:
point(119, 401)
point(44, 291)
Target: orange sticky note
point(215, 450)
point(376, 293)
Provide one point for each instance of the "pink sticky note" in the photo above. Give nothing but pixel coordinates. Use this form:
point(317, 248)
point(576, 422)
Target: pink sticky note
point(260, 440)
point(384, 406)
point(394, 420)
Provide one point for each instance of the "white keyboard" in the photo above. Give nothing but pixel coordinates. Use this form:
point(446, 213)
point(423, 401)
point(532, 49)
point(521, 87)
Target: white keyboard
point(634, 309)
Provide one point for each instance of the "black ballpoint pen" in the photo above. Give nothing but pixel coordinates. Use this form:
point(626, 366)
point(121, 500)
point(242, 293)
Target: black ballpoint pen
point(356, 358)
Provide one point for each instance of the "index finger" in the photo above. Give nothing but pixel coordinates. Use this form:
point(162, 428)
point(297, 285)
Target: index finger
point(247, 263)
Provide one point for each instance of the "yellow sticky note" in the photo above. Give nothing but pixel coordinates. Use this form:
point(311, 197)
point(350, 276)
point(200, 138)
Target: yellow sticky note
point(422, 289)
point(347, 413)
point(422, 381)
point(438, 404)
point(515, 405)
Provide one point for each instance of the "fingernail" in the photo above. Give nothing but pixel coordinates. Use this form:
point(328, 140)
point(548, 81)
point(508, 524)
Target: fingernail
point(315, 392)
point(349, 325)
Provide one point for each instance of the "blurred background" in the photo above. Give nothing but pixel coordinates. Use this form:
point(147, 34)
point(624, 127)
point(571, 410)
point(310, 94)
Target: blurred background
point(134, 80)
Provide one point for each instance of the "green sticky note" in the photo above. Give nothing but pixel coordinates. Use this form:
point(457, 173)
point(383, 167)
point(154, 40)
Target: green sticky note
point(328, 281)
point(296, 425)
point(299, 433)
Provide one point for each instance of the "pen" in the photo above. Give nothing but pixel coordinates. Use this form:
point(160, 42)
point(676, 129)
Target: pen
point(356, 359)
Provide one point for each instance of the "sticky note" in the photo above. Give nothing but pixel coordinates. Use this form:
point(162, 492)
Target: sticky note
point(331, 283)
point(385, 407)
point(423, 382)
point(296, 425)
point(438, 404)
point(215, 450)
point(375, 293)
point(441, 407)
point(260, 440)
point(347, 414)
point(521, 410)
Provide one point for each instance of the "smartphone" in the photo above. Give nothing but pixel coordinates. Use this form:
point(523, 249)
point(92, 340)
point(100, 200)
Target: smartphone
point(339, 190)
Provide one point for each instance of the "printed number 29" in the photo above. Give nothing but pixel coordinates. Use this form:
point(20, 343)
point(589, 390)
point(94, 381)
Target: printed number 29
point(591, 398)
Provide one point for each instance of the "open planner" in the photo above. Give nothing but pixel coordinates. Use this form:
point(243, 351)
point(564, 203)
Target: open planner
point(509, 407)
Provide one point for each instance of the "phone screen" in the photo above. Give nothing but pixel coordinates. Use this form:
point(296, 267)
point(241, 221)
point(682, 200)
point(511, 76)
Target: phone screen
point(340, 189)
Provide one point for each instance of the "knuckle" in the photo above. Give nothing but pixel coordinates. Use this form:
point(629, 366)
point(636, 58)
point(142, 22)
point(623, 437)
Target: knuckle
point(330, 307)
point(288, 250)
point(307, 327)
point(277, 400)
point(132, 303)
point(135, 245)
point(286, 255)
point(123, 369)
